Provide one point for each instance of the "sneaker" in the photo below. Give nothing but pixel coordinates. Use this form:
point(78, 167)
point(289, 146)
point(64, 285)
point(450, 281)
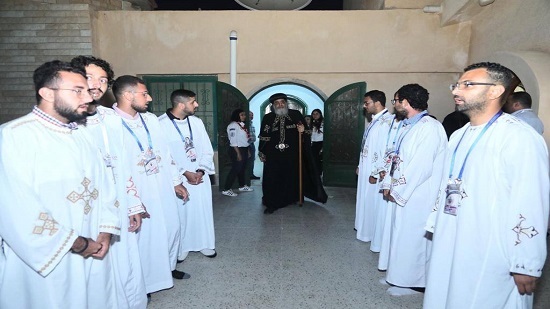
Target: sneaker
point(246, 189)
point(229, 193)
point(211, 253)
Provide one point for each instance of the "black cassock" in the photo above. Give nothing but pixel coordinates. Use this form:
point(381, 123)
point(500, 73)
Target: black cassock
point(279, 144)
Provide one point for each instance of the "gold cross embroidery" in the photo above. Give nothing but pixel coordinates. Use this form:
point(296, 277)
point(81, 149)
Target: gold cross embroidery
point(49, 224)
point(86, 195)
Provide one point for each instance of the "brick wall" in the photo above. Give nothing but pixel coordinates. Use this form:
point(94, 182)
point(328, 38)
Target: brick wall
point(35, 31)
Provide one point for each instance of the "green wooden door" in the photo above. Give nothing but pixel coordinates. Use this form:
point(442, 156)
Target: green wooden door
point(229, 98)
point(344, 124)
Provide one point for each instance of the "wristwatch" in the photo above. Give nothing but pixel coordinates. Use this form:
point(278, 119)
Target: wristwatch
point(200, 170)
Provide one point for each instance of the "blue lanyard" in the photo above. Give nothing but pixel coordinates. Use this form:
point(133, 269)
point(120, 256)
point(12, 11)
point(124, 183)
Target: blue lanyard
point(368, 130)
point(179, 132)
point(409, 130)
point(396, 133)
point(495, 117)
point(134, 134)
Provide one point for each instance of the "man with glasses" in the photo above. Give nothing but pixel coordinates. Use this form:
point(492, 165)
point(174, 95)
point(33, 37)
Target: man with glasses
point(104, 125)
point(154, 180)
point(57, 203)
point(372, 152)
point(415, 174)
point(489, 244)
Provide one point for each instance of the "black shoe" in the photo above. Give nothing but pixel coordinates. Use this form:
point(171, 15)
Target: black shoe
point(180, 261)
point(254, 177)
point(268, 211)
point(176, 274)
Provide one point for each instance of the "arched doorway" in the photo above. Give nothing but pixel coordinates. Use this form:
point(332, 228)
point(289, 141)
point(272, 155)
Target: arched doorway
point(301, 98)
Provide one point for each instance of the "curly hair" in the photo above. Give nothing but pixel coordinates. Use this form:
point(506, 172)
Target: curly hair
point(235, 116)
point(84, 61)
point(416, 95)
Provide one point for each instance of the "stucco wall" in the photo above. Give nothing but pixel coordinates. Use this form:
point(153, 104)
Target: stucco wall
point(328, 49)
point(517, 33)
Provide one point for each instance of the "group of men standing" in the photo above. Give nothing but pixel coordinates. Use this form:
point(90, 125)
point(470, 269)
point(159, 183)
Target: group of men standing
point(464, 220)
point(79, 180)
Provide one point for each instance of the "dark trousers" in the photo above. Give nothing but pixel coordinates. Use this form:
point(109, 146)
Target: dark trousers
point(316, 148)
point(237, 167)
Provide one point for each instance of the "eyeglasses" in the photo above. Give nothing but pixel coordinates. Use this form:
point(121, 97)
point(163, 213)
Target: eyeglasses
point(144, 93)
point(78, 92)
point(468, 84)
point(369, 102)
point(395, 101)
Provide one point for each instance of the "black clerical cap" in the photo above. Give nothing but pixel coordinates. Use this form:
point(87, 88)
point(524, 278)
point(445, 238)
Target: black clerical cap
point(277, 96)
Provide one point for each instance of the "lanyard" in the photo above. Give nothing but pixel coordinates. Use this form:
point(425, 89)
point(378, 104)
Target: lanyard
point(134, 134)
point(179, 132)
point(495, 117)
point(369, 128)
point(409, 130)
point(396, 133)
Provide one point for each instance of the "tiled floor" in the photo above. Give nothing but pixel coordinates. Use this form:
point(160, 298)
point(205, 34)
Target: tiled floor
point(298, 257)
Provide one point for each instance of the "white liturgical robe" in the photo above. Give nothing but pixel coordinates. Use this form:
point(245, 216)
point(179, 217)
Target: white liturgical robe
point(500, 224)
point(53, 188)
point(192, 150)
point(106, 130)
point(420, 151)
point(154, 175)
point(371, 152)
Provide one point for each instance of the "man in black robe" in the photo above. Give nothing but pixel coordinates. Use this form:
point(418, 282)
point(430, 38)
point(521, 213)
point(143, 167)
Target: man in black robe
point(279, 150)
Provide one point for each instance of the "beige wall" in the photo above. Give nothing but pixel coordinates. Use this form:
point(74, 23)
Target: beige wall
point(327, 49)
point(517, 34)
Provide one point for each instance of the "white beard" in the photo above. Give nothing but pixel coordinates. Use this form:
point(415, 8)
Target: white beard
point(281, 111)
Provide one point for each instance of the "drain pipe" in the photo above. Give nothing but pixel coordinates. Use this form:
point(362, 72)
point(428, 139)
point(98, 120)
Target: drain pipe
point(233, 58)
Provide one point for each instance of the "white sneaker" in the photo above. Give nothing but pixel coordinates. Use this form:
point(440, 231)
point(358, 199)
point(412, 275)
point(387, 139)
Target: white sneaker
point(229, 193)
point(246, 189)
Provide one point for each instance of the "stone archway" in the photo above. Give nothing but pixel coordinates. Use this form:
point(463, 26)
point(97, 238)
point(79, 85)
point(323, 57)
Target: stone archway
point(533, 69)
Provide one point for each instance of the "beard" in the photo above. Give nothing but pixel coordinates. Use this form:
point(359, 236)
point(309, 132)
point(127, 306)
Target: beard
point(401, 114)
point(472, 107)
point(139, 109)
point(282, 111)
point(71, 115)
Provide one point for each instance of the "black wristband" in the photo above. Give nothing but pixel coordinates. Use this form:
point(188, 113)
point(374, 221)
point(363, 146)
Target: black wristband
point(85, 246)
point(200, 170)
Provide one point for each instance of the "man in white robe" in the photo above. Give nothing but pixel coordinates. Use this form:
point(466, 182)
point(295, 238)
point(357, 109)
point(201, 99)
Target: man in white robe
point(415, 174)
point(371, 153)
point(191, 148)
point(105, 128)
point(386, 207)
point(58, 207)
point(155, 178)
point(489, 240)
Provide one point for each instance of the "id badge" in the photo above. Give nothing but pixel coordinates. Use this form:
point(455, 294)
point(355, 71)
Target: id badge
point(191, 155)
point(151, 165)
point(453, 198)
point(394, 164)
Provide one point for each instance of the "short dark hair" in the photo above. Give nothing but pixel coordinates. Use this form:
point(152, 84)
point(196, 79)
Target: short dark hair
point(47, 75)
point(522, 97)
point(181, 96)
point(498, 73)
point(124, 82)
point(84, 61)
point(377, 96)
point(416, 95)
